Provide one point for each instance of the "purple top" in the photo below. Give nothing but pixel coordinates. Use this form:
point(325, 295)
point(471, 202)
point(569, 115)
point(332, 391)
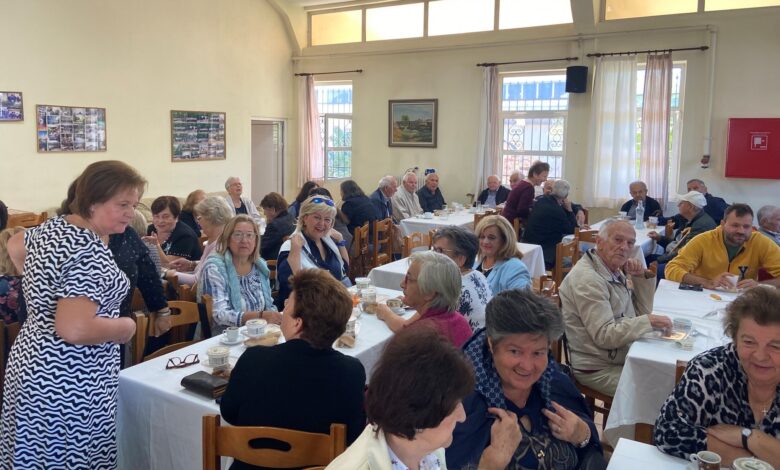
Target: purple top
point(451, 324)
point(519, 202)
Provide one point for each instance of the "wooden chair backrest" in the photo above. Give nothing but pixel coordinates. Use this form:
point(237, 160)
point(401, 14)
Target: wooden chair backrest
point(431, 233)
point(565, 250)
point(415, 240)
point(8, 334)
point(306, 448)
point(182, 313)
point(478, 217)
point(139, 340)
point(187, 293)
point(518, 226)
point(137, 304)
point(585, 211)
point(272, 268)
point(586, 236)
point(26, 219)
point(208, 301)
point(383, 242)
point(669, 229)
point(359, 254)
point(679, 370)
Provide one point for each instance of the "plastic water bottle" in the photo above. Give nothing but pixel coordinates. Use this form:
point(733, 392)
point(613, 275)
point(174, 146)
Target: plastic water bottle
point(640, 215)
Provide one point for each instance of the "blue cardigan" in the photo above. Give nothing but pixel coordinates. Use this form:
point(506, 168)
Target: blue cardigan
point(507, 274)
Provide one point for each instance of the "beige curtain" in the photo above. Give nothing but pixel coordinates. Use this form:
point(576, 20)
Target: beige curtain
point(489, 152)
point(311, 166)
point(654, 155)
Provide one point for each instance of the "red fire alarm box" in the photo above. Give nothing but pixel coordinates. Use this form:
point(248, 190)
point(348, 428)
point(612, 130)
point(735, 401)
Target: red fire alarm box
point(753, 148)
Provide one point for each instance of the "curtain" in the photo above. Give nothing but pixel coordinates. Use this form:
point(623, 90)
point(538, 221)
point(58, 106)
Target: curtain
point(489, 152)
point(312, 164)
point(656, 109)
point(612, 155)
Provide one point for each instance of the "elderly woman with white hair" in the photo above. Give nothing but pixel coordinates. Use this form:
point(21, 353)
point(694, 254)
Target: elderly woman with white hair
point(431, 287)
point(313, 244)
point(237, 203)
point(551, 219)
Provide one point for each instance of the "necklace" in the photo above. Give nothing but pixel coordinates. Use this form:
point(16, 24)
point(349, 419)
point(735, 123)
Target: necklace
point(485, 267)
point(765, 405)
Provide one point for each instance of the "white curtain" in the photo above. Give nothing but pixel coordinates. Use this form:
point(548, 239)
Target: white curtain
point(612, 156)
point(311, 166)
point(654, 156)
point(489, 152)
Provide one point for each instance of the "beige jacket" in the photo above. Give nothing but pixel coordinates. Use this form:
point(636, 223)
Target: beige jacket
point(405, 204)
point(601, 314)
point(369, 452)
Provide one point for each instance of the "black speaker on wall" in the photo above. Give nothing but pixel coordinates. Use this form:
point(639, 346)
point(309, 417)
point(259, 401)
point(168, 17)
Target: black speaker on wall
point(576, 79)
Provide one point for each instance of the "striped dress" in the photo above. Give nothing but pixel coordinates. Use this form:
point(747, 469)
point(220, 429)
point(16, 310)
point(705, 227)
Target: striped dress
point(59, 404)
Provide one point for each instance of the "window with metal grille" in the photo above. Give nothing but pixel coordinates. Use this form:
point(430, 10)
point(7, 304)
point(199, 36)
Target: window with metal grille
point(334, 104)
point(534, 107)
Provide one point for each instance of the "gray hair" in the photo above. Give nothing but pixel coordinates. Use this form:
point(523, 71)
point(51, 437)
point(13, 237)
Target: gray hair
point(766, 212)
point(139, 223)
point(561, 189)
point(464, 240)
point(644, 185)
point(438, 275)
point(215, 210)
point(516, 172)
point(229, 181)
point(606, 227)
point(408, 174)
point(518, 311)
point(695, 180)
point(386, 181)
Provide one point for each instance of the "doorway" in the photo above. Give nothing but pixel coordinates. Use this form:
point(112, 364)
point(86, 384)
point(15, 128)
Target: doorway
point(268, 142)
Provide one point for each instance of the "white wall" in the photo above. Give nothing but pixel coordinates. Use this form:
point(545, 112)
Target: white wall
point(444, 68)
point(139, 59)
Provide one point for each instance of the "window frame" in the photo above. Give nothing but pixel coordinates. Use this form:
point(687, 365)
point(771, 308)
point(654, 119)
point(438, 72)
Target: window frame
point(701, 8)
point(324, 129)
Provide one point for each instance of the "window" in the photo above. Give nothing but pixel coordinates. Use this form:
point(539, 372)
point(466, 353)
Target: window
point(370, 22)
point(534, 107)
point(619, 9)
point(675, 120)
point(334, 104)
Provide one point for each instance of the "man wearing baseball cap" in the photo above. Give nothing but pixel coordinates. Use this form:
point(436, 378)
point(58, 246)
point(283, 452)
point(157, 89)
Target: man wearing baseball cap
point(691, 206)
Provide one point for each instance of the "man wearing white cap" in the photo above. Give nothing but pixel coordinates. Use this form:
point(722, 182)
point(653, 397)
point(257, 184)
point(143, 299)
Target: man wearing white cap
point(691, 206)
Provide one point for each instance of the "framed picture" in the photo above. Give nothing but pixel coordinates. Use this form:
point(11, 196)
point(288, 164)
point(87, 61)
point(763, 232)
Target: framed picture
point(197, 136)
point(413, 123)
point(70, 128)
point(11, 108)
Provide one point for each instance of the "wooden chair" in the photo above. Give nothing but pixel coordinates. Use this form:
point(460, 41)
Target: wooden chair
point(586, 236)
point(478, 217)
point(383, 244)
point(139, 340)
point(565, 250)
point(272, 277)
point(518, 226)
point(590, 394)
point(187, 315)
point(8, 334)
point(137, 304)
point(359, 255)
point(679, 370)
point(413, 241)
point(585, 211)
point(669, 229)
point(26, 219)
point(208, 302)
point(305, 448)
point(187, 293)
point(431, 233)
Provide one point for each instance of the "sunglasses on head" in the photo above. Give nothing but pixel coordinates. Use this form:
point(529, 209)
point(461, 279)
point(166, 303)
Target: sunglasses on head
point(323, 200)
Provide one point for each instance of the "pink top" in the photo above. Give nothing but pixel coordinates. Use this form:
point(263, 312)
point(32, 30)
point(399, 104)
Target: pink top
point(192, 278)
point(451, 324)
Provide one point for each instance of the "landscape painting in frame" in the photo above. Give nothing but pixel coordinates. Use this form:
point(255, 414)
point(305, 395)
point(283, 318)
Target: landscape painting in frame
point(11, 108)
point(413, 123)
point(197, 136)
point(70, 128)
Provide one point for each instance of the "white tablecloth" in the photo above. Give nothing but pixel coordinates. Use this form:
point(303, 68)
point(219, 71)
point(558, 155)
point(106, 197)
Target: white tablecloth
point(159, 422)
point(648, 373)
point(462, 219)
point(631, 455)
point(646, 243)
point(390, 275)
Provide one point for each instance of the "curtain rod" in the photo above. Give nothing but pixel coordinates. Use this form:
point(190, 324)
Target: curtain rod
point(605, 54)
point(306, 74)
point(490, 64)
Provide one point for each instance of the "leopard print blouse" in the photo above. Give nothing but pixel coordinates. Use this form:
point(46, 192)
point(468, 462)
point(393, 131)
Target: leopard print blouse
point(713, 390)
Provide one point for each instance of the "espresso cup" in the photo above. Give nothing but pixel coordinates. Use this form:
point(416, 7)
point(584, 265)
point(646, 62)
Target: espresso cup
point(256, 327)
point(706, 460)
point(231, 333)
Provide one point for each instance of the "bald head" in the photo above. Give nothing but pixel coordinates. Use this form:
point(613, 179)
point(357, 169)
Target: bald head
point(410, 182)
point(493, 183)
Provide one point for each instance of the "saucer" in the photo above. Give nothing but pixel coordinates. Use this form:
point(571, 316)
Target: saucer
point(223, 339)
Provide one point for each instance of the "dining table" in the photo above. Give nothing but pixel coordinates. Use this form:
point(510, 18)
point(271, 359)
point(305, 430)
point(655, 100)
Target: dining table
point(631, 455)
point(461, 218)
point(390, 275)
point(648, 375)
point(159, 421)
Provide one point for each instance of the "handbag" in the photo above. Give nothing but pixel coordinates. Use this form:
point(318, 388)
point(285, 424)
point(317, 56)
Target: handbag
point(205, 384)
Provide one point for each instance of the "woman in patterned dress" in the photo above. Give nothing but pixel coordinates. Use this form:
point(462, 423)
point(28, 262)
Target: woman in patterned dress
point(413, 403)
point(728, 399)
point(462, 245)
point(59, 407)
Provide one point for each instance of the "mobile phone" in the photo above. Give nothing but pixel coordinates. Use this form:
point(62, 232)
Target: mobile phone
point(695, 287)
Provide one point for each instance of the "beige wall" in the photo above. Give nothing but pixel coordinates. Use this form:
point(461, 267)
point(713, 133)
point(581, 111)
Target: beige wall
point(444, 68)
point(139, 59)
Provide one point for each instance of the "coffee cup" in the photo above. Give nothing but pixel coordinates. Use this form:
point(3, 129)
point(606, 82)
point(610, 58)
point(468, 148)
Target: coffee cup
point(218, 357)
point(652, 222)
point(750, 463)
point(231, 334)
point(256, 327)
point(622, 215)
point(706, 460)
point(428, 215)
point(394, 304)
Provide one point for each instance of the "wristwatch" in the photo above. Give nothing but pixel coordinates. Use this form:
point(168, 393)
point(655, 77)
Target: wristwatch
point(746, 433)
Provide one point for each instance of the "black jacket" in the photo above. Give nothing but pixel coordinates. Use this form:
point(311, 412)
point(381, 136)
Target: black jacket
point(701, 223)
point(547, 225)
point(295, 386)
point(282, 226)
point(502, 193)
point(430, 202)
point(359, 210)
point(384, 208)
point(652, 208)
point(183, 242)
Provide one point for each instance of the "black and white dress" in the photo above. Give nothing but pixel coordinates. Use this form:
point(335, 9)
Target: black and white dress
point(59, 404)
point(475, 294)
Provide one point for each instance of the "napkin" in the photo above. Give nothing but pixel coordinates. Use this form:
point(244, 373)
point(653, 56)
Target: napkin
point(205, 384)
